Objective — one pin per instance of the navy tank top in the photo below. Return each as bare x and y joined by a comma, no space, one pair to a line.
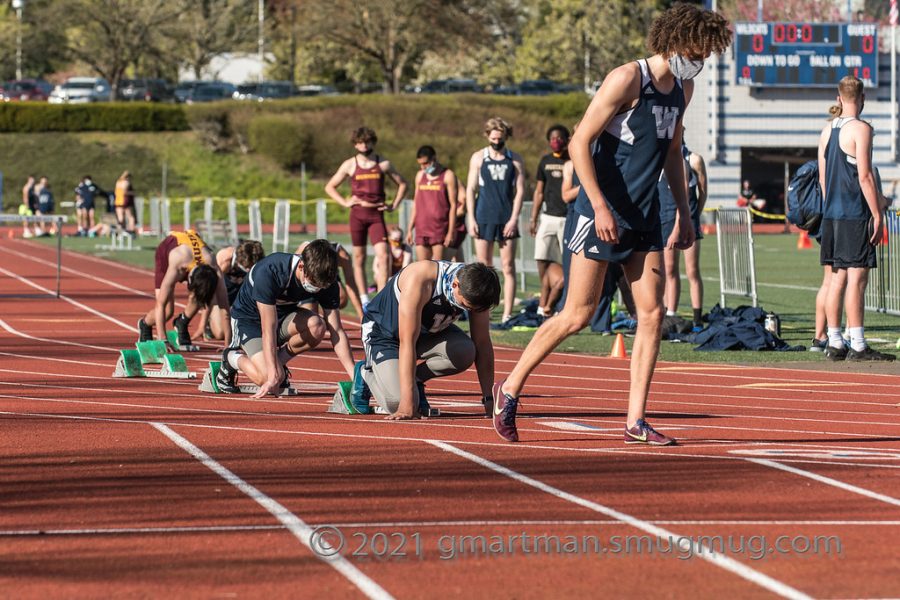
844,199
496,183
630,154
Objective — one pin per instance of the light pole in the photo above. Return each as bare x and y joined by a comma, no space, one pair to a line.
18,6
261,42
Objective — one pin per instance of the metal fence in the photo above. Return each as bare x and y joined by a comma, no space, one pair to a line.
883,291
734,238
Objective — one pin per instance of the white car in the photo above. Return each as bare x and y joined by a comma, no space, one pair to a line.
81,90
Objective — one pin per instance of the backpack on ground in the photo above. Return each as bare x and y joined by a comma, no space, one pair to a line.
804,198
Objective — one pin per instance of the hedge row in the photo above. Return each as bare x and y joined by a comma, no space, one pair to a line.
30,117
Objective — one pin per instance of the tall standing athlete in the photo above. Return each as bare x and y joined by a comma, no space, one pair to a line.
433,215
851,221
629,134
366,171
494,192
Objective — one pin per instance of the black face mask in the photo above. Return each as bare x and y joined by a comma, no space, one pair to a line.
498,146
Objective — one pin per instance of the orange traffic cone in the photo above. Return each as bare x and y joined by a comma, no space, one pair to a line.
803,242
884,236
618,349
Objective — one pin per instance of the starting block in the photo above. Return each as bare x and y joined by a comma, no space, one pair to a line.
208,383
129,364
151,352
172,336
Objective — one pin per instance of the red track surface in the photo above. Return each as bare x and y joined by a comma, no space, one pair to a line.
149,488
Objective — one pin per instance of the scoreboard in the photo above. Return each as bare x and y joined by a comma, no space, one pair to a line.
805,54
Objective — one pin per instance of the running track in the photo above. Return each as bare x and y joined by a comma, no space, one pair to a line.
149,488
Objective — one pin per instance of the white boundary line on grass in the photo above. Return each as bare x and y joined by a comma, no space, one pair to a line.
292,522
719,560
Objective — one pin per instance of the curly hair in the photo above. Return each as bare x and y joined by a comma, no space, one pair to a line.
248,254
687,28
363,135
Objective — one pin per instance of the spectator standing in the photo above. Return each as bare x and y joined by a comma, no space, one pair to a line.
45,205
124,203
434,210
28,207
85,194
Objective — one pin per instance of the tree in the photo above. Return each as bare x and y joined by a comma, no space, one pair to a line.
823,11
395,34
112,35
207,28
43,39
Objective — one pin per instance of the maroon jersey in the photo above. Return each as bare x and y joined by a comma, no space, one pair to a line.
432,207
368,184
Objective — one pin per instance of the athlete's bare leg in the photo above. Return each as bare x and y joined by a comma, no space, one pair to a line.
508,262
585,284
644,270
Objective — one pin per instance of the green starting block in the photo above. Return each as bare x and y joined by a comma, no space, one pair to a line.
172,336
151,352
208,383
129,364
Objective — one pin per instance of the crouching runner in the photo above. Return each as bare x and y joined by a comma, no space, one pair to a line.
411,320
270,328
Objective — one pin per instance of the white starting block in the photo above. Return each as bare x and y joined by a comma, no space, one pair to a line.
130,364
208,383
119,241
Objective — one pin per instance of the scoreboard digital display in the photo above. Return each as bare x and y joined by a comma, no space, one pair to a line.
805,54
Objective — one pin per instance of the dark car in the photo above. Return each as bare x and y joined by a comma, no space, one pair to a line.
448,86
183,90
147,90
274,90
537,87
245,91
36,90
210,92
506,90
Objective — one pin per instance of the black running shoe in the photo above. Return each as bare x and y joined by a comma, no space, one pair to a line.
226,378
868,354
145,332
832,353
181,326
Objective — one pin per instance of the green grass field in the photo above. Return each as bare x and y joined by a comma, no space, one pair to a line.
787,281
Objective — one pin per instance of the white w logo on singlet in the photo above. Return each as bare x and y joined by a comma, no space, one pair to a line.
498,172
666,117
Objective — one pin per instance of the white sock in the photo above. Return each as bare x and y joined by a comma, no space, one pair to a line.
671,313
364,299
233,359
857,338
284,355
835,340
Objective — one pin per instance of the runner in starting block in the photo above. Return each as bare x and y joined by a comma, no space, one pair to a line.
270,326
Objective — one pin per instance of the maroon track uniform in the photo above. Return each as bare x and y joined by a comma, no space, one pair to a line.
432,211
367,185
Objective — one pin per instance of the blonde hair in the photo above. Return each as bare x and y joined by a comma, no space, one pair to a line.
850,88
124,176
498,124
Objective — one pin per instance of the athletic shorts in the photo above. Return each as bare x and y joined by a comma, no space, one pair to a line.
380,348
86,204
45,208
458,238
367,223
669,226
584,238
548,242
247,334
845,244
162,259
429,240
493,232
126,201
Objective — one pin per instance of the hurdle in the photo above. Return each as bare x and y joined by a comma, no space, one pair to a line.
281,227
734,240
12,220
208,383
131,363
119,241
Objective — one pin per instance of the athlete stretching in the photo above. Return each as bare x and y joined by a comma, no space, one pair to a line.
366,171
629,134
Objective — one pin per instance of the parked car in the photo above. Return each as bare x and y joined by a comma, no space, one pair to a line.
25,89
147,90
184,89
210,92
81,90
245,91
537,87
448,86
506,90
316,90
275,90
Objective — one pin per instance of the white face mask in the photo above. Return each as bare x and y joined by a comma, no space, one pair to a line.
684,68
310,287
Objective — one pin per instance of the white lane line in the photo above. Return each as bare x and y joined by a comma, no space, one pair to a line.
423,524
70,301
741,570
827,481
294,524
397,438
15,331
